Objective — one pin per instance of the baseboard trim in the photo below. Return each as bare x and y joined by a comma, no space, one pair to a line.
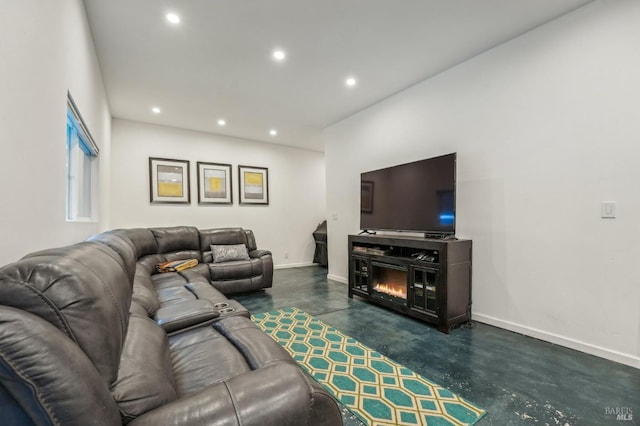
598,351
611,355
293,265
337,278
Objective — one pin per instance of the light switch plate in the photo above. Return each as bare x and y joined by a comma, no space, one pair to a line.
608,210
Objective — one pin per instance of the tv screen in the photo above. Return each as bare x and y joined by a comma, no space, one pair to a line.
418,196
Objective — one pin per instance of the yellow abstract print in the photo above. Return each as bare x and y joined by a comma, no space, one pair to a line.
170,181
215,184
253,185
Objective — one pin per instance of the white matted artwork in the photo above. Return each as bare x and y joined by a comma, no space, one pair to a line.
254,185
214,183
169,181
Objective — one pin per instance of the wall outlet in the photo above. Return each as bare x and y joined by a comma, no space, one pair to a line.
286,255
334,216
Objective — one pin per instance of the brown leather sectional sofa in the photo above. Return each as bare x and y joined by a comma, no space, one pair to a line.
91,334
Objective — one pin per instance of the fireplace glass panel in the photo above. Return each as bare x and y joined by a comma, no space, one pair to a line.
360,274
389,282
425,290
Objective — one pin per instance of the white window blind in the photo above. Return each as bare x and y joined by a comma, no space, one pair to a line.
82,154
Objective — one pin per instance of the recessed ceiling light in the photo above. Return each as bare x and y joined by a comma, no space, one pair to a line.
273,132
279,55
173,18
350,81
155,110
221,122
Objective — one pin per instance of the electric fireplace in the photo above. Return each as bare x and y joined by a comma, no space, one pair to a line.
425,278
389,282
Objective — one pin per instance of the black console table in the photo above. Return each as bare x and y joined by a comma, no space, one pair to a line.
428,279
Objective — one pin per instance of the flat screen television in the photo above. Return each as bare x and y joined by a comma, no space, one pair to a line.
417,197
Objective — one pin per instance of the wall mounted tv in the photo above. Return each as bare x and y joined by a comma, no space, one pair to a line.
418,197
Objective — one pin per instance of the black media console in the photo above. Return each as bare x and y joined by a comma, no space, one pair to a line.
428,279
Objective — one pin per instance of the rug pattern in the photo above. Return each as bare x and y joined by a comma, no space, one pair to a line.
376,389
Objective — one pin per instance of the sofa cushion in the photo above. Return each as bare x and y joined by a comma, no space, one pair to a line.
229,252
201,270
142,239
205,291
147,299
175,294
177,238
202,357
258,348
168,279
145,378
47,376
237,269
121,245
184,315
144,292
243,285
137,309
82,289
150,261
170,288
220,236
251,239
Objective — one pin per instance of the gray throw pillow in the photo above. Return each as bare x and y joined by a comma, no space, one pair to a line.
227,252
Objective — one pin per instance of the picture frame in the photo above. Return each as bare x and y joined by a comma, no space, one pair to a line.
169,181
214,183
253,185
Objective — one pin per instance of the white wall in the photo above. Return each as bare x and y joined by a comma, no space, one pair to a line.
46,50
296,187
546,127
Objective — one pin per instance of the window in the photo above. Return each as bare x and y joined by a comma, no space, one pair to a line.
82,168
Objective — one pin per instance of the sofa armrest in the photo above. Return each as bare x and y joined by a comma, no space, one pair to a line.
259,253
278,394
180,316
267,265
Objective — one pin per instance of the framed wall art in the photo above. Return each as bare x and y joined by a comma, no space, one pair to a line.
169,181
254,185
214,183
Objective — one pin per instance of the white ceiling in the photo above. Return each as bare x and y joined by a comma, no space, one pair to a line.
216,63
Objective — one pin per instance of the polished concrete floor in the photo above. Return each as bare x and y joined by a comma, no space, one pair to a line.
517,379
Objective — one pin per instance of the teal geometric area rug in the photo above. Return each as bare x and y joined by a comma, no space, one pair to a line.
376,389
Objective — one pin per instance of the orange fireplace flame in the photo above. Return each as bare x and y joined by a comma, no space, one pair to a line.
392,289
